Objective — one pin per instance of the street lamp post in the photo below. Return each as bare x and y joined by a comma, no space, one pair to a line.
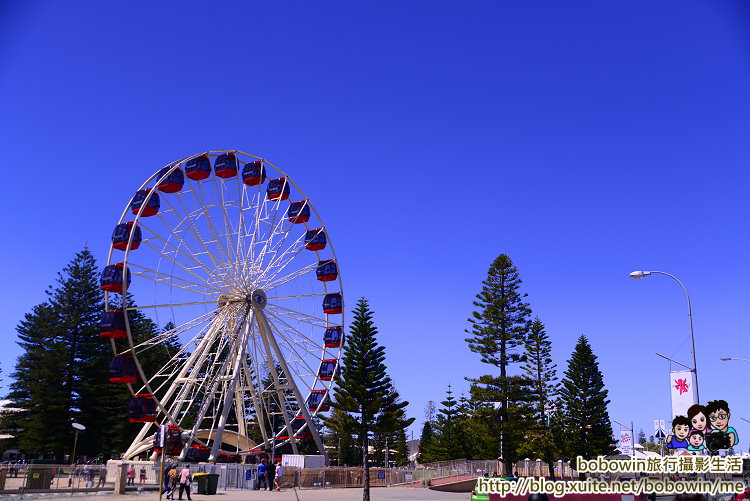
726,359
694,370
78,427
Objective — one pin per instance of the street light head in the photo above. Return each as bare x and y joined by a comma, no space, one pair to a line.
639,274
725,358
78,426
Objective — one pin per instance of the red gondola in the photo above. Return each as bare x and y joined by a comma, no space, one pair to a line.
198,168
173,182
226,165
173,440
332,303
327,270
315,399
315,240
328,369
299,212
112,276
254,173
278,189
197,453
334,337
121,235
152,206
142,409
122,370
112,325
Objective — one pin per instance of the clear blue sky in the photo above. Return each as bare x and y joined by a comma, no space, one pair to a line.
584,139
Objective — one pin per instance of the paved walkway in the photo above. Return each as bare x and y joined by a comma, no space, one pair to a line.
353,494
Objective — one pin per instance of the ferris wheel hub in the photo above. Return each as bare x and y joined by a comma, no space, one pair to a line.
258,299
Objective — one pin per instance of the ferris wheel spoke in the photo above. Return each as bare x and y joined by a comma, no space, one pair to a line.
228,228
278,268
209,220
274,224
317,346
300,316
292,276
190,255
171,280
292,348
174,333
178,263
191,227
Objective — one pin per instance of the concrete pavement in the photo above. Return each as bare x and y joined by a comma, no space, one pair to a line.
351,494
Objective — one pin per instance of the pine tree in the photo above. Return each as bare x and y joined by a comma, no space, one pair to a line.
583,400
426,443
60,335
450,441
499,329
365,399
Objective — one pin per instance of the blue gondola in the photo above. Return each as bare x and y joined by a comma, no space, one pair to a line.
315,399
334,337
299,212
142,409
315,240
112,325
111,279
198,168
121,235
327,270
333,303
152,206
254,173
278,189
328,369
173,182
122,369
226,165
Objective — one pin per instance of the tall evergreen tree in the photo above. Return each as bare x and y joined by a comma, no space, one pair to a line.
583,399
499,328
365,398
451,440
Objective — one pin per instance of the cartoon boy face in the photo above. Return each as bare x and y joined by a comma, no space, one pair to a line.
681,431
699,421
719,419
696,439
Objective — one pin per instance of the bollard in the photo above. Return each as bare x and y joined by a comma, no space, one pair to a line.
121,478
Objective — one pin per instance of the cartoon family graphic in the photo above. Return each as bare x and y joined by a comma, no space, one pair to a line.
705,430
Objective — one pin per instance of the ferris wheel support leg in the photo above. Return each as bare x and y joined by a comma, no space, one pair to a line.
229,396
256,401
266,330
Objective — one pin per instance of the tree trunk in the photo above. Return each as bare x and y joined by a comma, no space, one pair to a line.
365,468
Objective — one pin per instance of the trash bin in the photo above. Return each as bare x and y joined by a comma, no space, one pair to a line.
202,480
213,483
38,477
3,474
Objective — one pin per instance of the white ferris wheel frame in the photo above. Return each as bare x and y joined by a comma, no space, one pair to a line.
183,378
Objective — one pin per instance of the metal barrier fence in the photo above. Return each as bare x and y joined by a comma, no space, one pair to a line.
30,478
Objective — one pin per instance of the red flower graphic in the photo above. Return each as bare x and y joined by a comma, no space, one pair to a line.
681,385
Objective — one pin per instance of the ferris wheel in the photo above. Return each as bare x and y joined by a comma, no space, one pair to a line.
227,255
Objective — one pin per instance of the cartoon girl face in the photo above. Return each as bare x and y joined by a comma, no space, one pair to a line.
699,422
696,439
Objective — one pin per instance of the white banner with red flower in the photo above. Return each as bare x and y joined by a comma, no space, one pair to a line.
682,387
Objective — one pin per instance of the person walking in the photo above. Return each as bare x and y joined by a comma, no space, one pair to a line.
102,475
131,475
270,474
185,479
173,478
277,477
143,475
261,475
